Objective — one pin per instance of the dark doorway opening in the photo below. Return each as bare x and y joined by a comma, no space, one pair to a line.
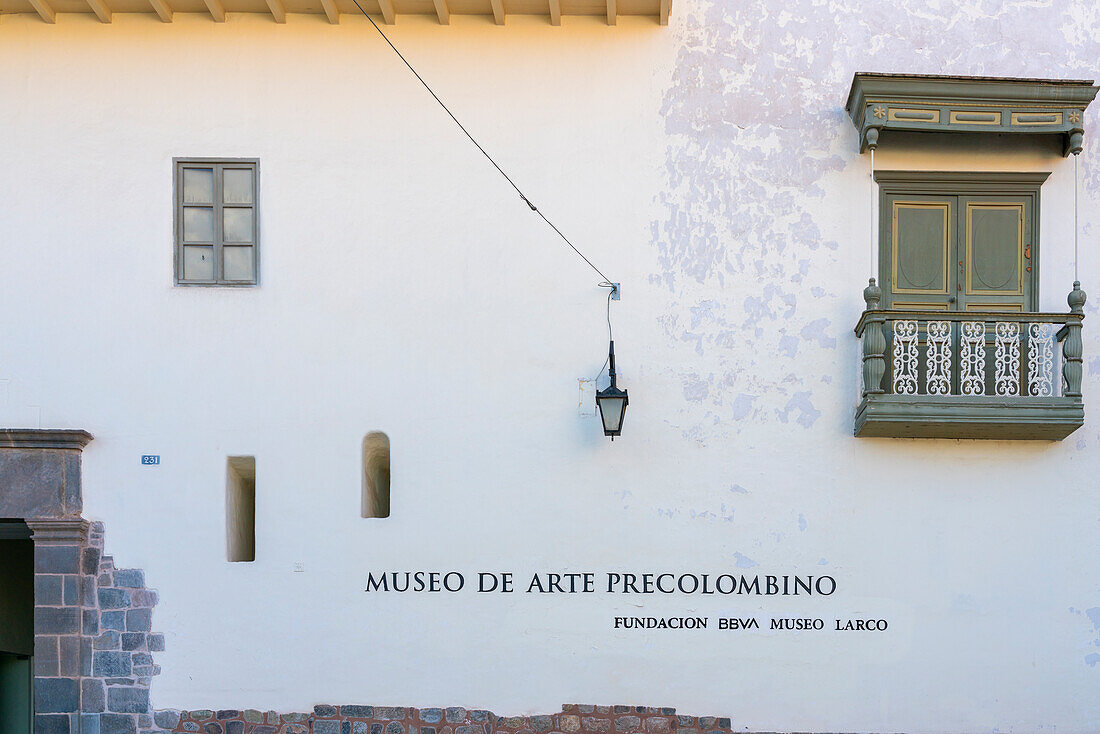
16,626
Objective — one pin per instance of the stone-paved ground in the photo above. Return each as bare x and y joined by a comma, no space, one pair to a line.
327,719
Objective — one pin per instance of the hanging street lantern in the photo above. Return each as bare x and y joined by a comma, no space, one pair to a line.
612,401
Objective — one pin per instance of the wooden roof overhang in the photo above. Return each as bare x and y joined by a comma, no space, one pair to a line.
386,10
970,104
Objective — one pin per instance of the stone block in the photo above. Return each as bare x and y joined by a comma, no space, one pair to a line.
47,589
431,716
144,658
213,727
603,709
108,663
126,700
88,595
252,716
133,640
375,729
108,640
224,714
455,715
143,598
117,724
56,695
145,721
570,723
236,726
190,726
723,722
658,724
68,655
668,711
71,586
360,727
427,730
621,709
130,578
592,723
56,620
295,717
542,723
89,724
389,713
89,561
395,727
627,723
167,718
56,559
113,621
89,622
326,726
357,712
685,720
45,655
139,620
263,729
479,715
707,722
51,724
470,729
93,695
324,709
345,727
114,599
119,681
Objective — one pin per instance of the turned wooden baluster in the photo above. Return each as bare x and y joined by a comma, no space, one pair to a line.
874,342
1072,347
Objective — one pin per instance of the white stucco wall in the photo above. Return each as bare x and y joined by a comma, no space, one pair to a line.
710,168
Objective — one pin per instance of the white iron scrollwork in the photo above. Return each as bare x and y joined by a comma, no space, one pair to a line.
1007,358
1040,360
938,377
905,358
972,358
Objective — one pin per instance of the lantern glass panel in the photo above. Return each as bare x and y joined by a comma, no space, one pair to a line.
611,411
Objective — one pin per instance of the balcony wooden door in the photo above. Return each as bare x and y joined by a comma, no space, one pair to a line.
958,253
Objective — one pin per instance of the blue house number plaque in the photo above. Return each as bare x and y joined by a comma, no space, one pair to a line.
150,459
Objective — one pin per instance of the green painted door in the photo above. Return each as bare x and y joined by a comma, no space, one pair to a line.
15,694
957,253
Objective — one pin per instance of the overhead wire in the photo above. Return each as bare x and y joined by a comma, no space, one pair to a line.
606,283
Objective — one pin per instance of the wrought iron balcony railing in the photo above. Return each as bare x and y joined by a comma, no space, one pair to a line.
970,374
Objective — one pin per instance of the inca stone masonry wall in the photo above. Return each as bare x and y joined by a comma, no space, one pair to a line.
327,719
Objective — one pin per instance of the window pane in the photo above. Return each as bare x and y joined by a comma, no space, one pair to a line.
198,263
237,225
198,186
237,186
198,224
237,262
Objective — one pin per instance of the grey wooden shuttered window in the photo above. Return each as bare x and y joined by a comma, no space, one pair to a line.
960,242
217,228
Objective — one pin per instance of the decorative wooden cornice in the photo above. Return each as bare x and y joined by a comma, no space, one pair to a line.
931,103
38,438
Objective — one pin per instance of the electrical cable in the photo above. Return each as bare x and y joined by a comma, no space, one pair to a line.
606,281
1076,179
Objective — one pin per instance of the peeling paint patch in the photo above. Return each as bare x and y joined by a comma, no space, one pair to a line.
800,402
742,561
801,522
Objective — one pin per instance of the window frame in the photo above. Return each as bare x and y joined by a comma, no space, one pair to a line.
179,164
959,184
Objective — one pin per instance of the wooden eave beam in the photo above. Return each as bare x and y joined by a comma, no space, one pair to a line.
217,10
331,11
555,12
162,9
99,7
612,12
278,12
443,12
386,6
498,11
44,10
666,8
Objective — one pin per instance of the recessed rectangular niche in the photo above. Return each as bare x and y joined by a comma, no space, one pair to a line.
240,508
376,475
